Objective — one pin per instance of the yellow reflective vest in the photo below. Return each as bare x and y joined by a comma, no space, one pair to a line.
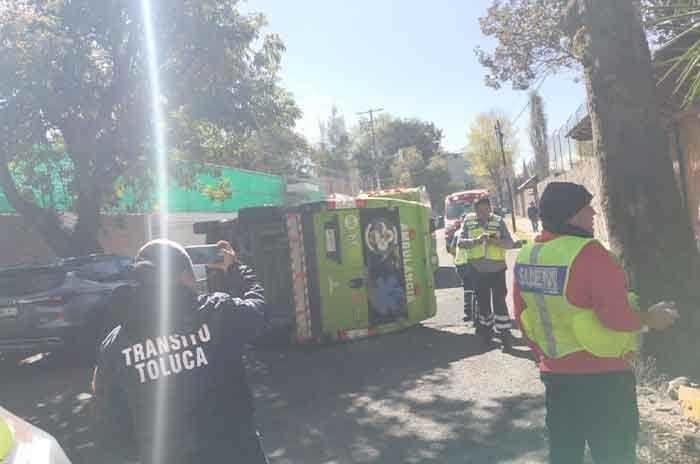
474,229
6,440
559,328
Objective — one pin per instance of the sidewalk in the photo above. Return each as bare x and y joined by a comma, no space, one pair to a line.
524,228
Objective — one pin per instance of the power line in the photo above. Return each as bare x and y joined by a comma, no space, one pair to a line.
537,87
375,156
499,137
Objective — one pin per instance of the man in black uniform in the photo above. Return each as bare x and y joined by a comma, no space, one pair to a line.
170,384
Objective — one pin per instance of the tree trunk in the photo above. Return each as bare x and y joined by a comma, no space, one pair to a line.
499,189
85,237
648,224
83,240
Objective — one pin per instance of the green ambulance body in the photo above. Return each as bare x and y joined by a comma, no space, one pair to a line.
337,270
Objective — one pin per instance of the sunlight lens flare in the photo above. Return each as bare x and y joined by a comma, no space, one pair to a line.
161,167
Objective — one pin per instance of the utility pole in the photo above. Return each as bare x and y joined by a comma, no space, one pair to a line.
499,136
375,157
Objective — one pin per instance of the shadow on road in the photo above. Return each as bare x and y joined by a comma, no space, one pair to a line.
447,277
387,400
392,399
52,393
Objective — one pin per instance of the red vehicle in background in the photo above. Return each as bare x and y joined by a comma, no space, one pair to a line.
457,205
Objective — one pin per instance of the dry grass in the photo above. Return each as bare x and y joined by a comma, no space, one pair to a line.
662,425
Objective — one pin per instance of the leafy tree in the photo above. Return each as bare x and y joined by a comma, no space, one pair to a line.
411,170
392,135
437,181
484,154
678,34
334,147
363,158
408,168
667,19
538,135
532,42
397,133
649,226
276,150
73,75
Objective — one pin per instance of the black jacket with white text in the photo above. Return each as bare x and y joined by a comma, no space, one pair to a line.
170,386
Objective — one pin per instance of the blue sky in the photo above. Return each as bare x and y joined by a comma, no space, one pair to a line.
412,58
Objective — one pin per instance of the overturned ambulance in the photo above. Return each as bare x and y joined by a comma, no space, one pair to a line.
336,270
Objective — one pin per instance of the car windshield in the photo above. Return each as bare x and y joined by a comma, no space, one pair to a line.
104,269
456,210
21,282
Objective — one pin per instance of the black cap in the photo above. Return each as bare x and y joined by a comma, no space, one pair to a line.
560,202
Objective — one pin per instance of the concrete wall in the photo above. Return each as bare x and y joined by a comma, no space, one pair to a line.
120,234
587,173
19,244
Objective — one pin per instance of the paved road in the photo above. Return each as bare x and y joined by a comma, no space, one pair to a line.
427,395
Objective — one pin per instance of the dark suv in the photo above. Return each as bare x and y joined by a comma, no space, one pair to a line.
59,305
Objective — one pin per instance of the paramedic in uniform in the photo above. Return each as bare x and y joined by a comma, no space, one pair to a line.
481,247
465,271
572,304
170,385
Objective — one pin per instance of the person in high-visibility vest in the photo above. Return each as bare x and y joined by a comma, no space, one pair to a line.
482,244
571,302
24,443
465,271
7,439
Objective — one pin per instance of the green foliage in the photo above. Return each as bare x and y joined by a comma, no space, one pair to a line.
483,151
678,23
667,19
411,170
408,168
333,152
437,182
74,78
530,42
538,135
393,135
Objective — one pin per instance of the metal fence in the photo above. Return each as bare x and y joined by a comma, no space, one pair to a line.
563,151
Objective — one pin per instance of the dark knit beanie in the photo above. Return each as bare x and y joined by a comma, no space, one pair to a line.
158,253
560,202
482,201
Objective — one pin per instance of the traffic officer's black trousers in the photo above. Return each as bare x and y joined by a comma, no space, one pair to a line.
491,296
595,409
465,272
